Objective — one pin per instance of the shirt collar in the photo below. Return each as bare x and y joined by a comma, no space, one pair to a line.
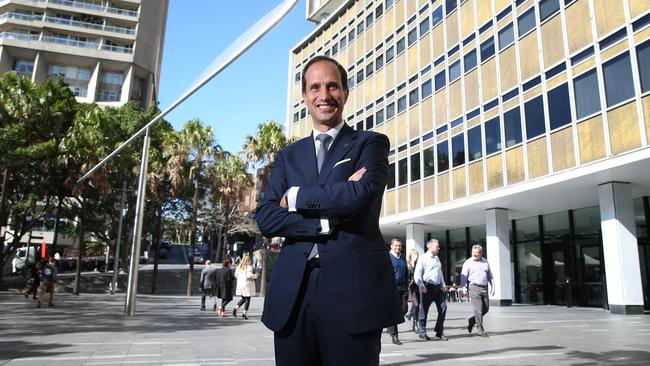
332,131
395,254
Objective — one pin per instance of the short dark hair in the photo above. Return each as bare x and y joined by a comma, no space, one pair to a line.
344,74
226,262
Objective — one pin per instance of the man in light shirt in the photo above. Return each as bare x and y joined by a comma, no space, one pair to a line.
428,276
476,275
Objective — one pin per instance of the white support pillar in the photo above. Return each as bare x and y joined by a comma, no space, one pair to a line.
498,254
415,238
620,249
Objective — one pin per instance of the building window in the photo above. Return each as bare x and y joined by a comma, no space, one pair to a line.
401,45
474,143
470,60
369,69
391,176
415,167
526,22
108,96
390,54
440,80
359,126
414,96
454,71
370,122
412,36
359,76
379,62
492,136
402,173
559,108
58,70
506,36
450,5
390,111
436,16
424,26
587,96
379,117
24,68
83,74
401,104
487,49
534,114
342,43
335,49
443,156
512,127
426,89
379,11
369,20
548,8
429,167
618,79
458,149
296,117
359,28
296,77
643,59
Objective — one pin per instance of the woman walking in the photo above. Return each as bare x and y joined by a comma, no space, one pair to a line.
224,279
245,285
414,291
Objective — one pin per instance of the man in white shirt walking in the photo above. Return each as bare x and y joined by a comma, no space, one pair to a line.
428,276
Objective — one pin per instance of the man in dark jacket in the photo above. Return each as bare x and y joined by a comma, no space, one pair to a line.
224,279
400,269
207,284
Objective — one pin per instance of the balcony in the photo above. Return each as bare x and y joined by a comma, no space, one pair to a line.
65,42
319,10
70,42
96,7
68,22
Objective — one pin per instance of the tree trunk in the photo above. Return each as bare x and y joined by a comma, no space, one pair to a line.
3,195
55,239
219,244
157,238
195,208
77,280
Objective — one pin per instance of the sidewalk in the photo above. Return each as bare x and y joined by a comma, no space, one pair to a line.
91,330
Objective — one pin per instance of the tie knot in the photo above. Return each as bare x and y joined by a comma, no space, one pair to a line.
323,138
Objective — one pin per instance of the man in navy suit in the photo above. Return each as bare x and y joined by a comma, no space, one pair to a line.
332,289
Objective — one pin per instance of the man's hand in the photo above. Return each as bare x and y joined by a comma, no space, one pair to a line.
357,175
283,202
492,291
424,289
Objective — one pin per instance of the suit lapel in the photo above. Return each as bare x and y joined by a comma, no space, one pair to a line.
341,145
307,158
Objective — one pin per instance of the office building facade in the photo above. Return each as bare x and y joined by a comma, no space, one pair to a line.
520,125
107,51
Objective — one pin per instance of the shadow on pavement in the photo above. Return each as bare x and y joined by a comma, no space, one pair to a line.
431,358
610,358
20,349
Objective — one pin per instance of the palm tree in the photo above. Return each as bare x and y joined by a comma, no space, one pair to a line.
190,149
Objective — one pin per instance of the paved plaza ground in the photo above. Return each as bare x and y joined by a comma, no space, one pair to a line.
170,330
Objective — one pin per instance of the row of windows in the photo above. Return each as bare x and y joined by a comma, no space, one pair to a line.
619,87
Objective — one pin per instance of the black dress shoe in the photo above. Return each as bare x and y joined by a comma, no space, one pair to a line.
396,340
425,337
470,327
408,316
202,308
442,337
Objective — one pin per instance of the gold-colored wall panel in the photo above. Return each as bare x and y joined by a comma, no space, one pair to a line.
578,25
460,189
471,89
508,66
415,196
475,172
489,79
410,8
438,41
624,133
400,65
429,187
562,149
484,11
425,50
413,59
494,167
390,76
427,115
360,48
379,28
443,187
614,50
591,139
552,41
467,18
402,199
452,29
515,165
646,116
389,207
390,132
455,98
529,56
537,158
389,18
401,129
557,80
358,94
370,88
609,15
441,107
399,13
414,122
380,86
642,36
638,7
500,4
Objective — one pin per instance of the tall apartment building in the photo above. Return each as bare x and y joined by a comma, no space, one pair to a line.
107,51
519,125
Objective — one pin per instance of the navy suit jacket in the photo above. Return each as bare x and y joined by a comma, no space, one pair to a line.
356,270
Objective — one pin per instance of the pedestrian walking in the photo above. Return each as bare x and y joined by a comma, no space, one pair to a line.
34,281
223,284
48,282
207,284
428,276
414,291
245,285
475,277
400,270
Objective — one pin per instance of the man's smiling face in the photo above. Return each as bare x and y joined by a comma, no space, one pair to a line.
324,95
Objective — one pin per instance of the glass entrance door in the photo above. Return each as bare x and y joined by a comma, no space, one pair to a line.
589,284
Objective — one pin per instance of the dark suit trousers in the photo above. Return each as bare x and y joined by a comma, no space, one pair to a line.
480,304
437,295
404,296
312,337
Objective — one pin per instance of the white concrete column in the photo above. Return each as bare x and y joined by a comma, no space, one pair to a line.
415,238
93,83
6,61
40,69
620,248
497,239
125,95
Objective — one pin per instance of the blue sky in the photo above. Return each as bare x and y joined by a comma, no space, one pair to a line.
250,91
